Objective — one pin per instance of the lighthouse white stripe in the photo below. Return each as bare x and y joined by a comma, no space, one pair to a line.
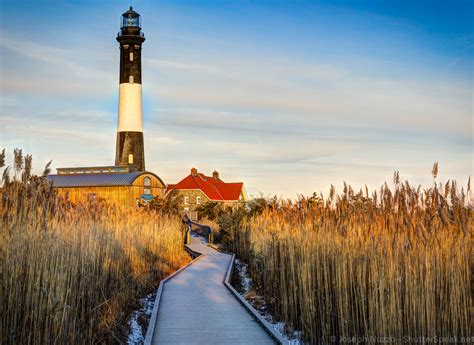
130,108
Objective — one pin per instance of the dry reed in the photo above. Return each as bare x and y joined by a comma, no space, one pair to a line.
394,264
69,273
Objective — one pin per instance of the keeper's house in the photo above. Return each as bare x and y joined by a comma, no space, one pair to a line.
123,185
197,189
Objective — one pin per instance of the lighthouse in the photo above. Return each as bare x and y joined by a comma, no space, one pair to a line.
125,183
129,147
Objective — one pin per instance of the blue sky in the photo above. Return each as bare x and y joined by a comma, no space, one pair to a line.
287,96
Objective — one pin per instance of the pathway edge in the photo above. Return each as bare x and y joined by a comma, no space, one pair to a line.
264,323
152,324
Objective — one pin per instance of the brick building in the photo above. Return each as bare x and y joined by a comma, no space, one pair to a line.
197,189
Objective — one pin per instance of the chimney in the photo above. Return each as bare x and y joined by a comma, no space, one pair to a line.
215,175
194,171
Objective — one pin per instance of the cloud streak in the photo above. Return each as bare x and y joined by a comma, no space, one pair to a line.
287,110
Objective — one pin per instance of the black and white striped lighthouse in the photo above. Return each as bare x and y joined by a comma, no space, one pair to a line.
130,148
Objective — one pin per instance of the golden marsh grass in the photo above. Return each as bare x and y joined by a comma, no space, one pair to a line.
69,273
397,263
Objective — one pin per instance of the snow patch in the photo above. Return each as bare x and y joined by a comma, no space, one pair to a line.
139,319
245,290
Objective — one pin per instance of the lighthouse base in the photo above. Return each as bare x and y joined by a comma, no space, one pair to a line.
130,149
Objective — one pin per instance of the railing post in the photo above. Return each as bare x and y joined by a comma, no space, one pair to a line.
186,235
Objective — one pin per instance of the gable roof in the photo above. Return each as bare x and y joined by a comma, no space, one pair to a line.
214,188
90,180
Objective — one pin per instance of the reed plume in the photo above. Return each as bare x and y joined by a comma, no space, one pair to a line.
71,273
395,264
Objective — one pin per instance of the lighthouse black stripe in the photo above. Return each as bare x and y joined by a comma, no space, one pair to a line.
130,67
130,39
130,143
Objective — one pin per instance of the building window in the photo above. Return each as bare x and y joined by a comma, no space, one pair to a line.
130,158
186,209
130,79
147,191
186,200
198,200
147,181
131,56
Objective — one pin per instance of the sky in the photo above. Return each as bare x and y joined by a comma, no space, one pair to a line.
286,96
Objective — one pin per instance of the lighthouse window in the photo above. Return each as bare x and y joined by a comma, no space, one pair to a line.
131,56
147,181
130,79
130,158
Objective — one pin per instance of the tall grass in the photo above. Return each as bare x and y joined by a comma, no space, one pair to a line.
69,272
397,263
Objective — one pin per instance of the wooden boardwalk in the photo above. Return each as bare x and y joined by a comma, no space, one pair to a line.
196,307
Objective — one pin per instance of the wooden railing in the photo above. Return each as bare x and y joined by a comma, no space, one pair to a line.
203,230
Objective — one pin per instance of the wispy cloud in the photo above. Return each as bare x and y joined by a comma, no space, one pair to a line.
288,108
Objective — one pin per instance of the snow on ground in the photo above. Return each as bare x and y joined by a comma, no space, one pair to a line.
245,289
138,322
139,319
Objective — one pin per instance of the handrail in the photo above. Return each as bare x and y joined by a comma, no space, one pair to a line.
204,230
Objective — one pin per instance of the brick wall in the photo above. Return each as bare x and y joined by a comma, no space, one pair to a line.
192,204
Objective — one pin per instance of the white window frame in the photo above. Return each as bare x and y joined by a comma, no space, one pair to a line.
186,209
131,56
130,79
186,200
147,191
147,181
198,200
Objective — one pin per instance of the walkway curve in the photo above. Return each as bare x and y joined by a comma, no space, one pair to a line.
195,307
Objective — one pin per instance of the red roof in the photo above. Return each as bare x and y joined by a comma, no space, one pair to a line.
213,187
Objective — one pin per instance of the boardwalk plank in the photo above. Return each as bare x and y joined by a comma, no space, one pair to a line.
196,307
